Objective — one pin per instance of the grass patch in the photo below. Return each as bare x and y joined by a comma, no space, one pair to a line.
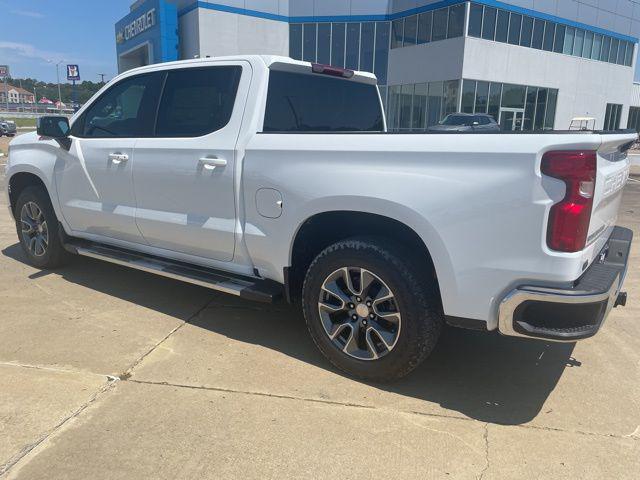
23,122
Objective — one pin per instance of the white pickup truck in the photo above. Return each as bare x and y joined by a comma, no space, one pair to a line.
266,177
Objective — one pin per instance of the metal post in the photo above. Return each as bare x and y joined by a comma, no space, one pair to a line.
59,94
6,92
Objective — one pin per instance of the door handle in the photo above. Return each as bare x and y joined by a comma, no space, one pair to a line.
210,163
118,158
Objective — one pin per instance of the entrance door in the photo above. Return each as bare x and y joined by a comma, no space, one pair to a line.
511,119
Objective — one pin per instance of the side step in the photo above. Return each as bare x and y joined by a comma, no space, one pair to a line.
265,291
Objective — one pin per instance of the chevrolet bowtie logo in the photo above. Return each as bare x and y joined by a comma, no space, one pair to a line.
120,37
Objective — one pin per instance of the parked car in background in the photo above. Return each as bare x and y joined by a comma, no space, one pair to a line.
263,176
466,122
7,127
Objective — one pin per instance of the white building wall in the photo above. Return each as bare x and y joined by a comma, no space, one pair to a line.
222,33
428,62
189,34
584,86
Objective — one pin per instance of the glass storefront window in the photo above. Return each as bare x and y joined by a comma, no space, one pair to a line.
606,47
451,96
588,44
424,27
513,96
420,96
613,55
558,44
434,114
337,44
515,25
569,39
440,20
352,56
397,33
527,32
456,21
549,32
502,27
597,47
324,43
495,96
367,43
489,23
406,106
410,30
475,20
295,41
538,34
578,44
468,95
550,115
382,51
309,42
628,58
540,109
482,97
530,107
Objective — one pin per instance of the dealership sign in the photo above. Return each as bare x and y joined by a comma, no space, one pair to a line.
4,71
73,73
136,27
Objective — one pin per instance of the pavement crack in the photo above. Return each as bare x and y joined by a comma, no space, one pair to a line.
486,452
4,468
260,394
129,371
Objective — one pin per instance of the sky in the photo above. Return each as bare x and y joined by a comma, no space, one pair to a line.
36,34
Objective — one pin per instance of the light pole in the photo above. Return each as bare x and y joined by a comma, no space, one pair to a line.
58,77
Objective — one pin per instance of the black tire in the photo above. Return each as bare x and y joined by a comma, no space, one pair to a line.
416,298
54,254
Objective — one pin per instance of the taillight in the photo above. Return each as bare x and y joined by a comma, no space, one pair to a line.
333,71
569,219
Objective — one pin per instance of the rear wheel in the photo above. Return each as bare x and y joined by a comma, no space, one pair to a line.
369,310
37,228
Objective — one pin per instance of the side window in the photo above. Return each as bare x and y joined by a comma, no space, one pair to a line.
197,101
126,110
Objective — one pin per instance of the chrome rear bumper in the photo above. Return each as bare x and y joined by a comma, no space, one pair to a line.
574,313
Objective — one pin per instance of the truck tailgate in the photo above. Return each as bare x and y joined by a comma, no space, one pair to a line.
612,174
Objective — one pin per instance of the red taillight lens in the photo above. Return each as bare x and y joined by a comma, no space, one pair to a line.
569,219
333,71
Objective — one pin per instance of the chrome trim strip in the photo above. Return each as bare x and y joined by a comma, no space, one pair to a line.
520,295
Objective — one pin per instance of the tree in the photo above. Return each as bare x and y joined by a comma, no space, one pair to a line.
85,89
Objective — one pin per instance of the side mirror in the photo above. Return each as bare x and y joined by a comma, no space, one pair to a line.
53,127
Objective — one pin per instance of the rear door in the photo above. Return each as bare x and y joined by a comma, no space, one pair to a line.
94,181
184,176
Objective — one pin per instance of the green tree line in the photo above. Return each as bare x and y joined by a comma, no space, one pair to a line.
84,90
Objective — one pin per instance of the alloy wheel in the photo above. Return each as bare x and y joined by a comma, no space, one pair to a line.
35,232
359,313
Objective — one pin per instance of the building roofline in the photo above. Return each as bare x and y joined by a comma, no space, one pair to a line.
393,16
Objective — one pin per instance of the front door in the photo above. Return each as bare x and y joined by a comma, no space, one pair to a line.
184,177
94,179
511,119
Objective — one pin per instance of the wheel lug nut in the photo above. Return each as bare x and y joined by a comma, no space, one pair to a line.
352,306
372,316
369,303
354,317
359,299
364,322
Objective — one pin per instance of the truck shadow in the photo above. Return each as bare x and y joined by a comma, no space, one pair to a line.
482,375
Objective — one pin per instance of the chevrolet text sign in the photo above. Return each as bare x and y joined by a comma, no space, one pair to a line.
141,24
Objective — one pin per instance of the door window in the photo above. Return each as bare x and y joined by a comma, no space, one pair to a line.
126,110
197,101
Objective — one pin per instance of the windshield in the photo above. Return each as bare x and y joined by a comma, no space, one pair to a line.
457,120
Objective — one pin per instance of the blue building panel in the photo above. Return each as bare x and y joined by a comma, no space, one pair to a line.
154,22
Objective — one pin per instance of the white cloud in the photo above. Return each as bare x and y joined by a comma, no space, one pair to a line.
28,13
28,51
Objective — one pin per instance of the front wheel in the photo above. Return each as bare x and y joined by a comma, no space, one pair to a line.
369,310
37,227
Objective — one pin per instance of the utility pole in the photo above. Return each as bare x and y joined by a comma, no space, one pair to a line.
58,75
102,75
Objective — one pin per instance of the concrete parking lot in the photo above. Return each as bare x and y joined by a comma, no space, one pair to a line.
112,373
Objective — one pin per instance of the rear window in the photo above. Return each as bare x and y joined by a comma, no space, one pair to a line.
299,102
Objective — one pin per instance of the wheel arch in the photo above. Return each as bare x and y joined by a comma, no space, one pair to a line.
318,231
20,180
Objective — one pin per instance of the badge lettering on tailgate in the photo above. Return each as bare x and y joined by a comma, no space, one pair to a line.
615,182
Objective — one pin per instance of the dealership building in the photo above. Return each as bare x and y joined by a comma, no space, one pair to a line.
532,64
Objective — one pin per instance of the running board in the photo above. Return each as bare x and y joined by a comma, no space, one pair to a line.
265,291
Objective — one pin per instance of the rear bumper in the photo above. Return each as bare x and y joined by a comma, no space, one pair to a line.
574,313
